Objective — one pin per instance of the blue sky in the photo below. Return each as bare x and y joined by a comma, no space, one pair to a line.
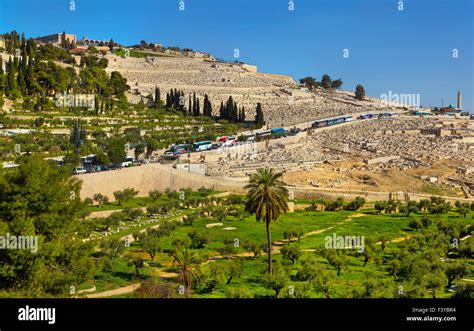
403,52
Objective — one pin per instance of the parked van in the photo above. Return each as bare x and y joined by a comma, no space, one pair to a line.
79,171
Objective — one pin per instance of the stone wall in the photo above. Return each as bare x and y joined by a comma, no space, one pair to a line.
150,177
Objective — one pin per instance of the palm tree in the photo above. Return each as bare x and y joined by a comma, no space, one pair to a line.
188,264
267,198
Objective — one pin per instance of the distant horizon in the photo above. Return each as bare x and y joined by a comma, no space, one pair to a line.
414,48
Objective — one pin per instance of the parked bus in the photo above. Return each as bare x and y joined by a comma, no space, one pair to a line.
182,149
365,116
203,146
331,121
278,132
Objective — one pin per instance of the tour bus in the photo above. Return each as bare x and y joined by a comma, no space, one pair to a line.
365,116
279,132
264,134
203,145
127,163
182,149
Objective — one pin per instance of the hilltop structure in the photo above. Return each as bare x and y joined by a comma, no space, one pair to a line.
57,38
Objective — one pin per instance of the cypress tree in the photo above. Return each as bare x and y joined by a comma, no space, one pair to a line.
259,115
21,78
198,109
176,99
207,111
229,109
235,112
96,104
11,78
21,82
2,77
157,96
23,45
190,105
221,111
181,102
167,101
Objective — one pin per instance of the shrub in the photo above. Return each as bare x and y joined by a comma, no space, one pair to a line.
199,239
238,293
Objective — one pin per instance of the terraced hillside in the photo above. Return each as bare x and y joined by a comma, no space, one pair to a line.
283,101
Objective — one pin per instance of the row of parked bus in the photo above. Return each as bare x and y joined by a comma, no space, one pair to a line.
380,115
201,146
331,121
343,119
226,141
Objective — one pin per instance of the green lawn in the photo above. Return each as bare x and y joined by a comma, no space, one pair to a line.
361,223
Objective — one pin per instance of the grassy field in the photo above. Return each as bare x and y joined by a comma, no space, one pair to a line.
316,226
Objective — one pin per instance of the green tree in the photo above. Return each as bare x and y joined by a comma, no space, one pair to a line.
112,248
355,204
139,149
309,82
464,209
336,84
259,119
255,247
100,199
115,150
291,252
380,206
455,270
326,81
337,259
137,262
40,199
151,245
360,92
409,207
229,248
267,198
199,239
154,195
276,280
188,264
125,195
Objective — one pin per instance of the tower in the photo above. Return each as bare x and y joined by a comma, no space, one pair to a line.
459,105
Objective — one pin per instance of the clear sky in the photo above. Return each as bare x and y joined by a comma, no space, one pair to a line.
409,51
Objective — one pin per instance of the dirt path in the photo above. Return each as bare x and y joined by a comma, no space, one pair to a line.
129,288
115,292
396,240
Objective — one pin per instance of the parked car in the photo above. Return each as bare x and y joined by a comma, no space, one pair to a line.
79,171
231,141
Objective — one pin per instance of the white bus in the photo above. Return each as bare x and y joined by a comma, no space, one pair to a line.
203,145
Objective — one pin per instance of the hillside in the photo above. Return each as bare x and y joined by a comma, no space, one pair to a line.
283,101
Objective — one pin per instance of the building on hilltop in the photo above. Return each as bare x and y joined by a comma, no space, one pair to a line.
57,38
